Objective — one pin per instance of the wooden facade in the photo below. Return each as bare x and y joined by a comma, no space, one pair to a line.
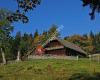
57,47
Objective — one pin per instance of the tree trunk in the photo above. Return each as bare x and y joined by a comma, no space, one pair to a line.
18,56
3,57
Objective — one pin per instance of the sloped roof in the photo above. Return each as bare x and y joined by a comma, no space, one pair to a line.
71,46
68,45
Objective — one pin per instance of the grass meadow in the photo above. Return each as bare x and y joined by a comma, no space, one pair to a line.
51,69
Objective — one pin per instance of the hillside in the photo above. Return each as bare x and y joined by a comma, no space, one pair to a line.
51,69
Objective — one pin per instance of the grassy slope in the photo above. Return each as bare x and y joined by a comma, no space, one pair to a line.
48,70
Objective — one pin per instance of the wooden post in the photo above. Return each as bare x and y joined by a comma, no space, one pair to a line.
3,57
18,56
77,58
90,57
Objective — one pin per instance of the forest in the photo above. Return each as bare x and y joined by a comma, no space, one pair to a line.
12,46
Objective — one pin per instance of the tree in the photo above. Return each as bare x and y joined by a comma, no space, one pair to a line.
36,37
94,6
24,6
78,40
25,44
3,17
44,37
17,42
97,42
22,44
10,53
5,30
91,43
36,34
53,31
7,17
86,42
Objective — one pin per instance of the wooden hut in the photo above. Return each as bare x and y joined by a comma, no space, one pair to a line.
61,47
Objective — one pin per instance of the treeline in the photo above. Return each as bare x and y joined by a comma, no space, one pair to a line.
88,42
19,46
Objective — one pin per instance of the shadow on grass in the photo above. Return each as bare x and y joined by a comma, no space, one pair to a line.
85,76
1,76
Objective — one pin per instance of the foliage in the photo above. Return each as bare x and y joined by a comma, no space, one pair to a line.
26,43
88,42
97,42
22,43
5,30
53,31
36,37
94,5
24,6
3,17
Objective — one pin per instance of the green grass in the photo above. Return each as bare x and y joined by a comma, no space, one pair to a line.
51,69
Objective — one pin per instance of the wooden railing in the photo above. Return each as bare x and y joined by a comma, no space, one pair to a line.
53,57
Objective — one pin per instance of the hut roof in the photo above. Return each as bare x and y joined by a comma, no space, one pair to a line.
72,46
68,45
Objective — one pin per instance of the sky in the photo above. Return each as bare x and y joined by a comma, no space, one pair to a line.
69,13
